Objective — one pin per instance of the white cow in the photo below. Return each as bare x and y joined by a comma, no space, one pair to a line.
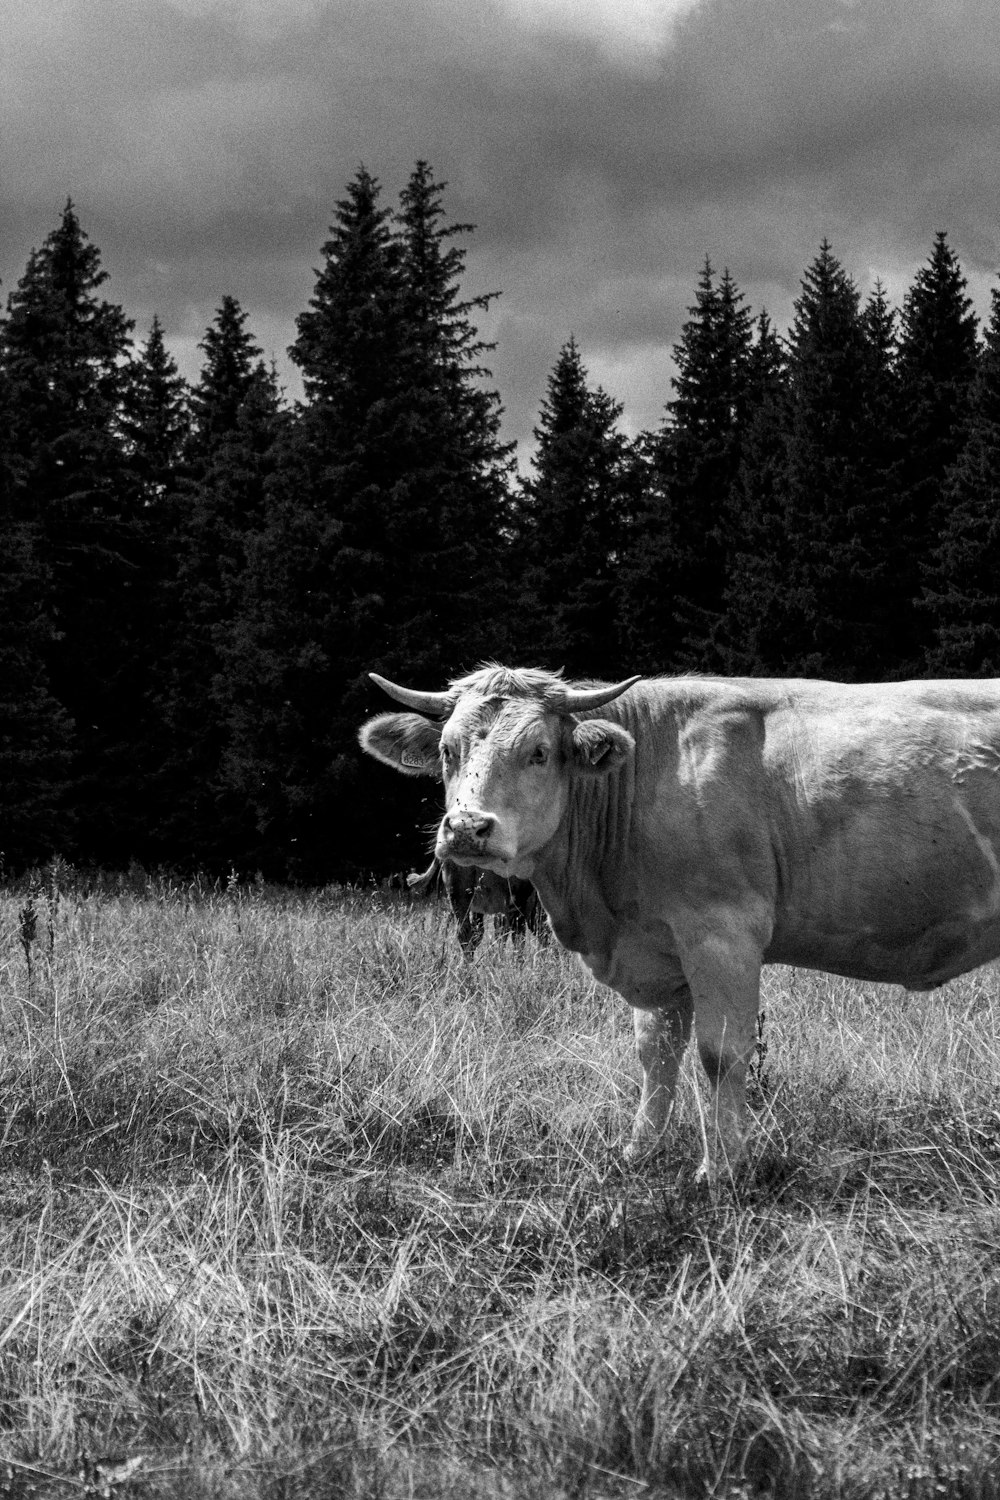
682,832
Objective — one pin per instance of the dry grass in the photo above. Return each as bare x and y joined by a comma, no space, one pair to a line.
294,1203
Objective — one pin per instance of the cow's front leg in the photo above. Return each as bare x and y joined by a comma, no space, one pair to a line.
725,982
661,1037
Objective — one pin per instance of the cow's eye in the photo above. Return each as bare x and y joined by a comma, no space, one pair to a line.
445,755
539,756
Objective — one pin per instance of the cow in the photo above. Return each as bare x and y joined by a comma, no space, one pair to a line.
682,832
474,893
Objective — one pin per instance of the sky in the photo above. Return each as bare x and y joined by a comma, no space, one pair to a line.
602,148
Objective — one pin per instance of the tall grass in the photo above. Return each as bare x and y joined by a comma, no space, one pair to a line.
295,1202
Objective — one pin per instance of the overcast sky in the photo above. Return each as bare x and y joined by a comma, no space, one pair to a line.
603,149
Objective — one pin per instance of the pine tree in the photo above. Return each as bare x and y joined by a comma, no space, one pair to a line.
66,353
571,532
963,596
678,571
836,524
937,365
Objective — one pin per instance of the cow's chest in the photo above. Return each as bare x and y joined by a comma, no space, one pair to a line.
623,947
640,963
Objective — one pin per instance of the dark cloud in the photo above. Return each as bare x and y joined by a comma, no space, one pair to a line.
206,142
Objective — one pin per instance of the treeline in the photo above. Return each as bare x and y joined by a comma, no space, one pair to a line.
196,579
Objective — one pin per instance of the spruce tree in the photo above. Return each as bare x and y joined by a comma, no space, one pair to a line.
66,353
452,489
678,570
156,430
157,423
753,634
963,595
890,609
835,517
381,548
36,737
937,365
880,325
35,733
231,365
311,594
238,427
573,515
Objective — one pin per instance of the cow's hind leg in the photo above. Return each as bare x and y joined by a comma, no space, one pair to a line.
661,1037
470,933
510,924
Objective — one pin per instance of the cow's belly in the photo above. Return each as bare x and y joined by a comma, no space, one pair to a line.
901,889
920,958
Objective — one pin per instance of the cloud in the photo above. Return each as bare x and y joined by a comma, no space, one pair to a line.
625,28
603,148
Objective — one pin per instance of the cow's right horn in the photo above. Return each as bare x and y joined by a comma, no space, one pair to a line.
422,703
579,699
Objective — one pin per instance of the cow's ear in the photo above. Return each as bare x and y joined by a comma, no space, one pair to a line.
407,742
598,746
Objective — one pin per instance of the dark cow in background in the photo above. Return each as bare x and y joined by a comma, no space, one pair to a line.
681,832
474,894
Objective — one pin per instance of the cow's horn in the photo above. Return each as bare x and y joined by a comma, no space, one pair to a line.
423,703
579,699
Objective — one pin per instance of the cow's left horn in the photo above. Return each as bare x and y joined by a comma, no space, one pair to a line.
423,703
579,699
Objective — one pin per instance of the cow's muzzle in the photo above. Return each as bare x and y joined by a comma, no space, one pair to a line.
465,833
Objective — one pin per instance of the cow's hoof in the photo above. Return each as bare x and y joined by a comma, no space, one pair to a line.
639,1152
706,1178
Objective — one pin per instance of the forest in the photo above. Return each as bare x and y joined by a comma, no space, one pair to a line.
197,578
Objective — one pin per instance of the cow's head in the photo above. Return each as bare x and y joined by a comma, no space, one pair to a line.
506,744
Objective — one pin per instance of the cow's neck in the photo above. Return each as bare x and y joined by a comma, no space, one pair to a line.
581,875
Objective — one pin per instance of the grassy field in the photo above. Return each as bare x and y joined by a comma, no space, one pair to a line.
296,1204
